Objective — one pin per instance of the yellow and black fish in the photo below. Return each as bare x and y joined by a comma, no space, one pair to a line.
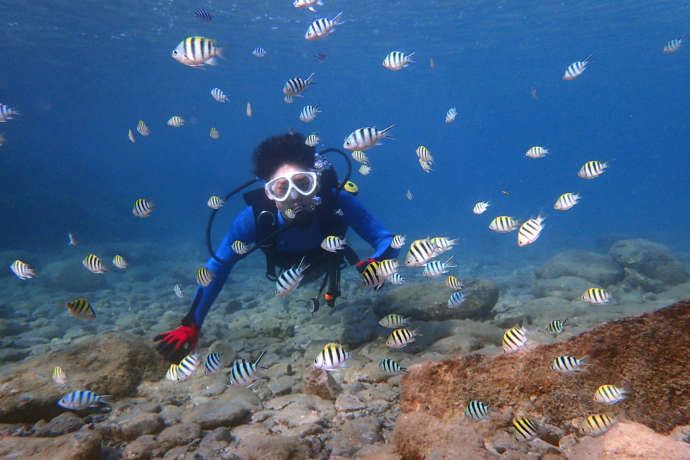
524,429
93,264
80,308
142,207
204,276
597,424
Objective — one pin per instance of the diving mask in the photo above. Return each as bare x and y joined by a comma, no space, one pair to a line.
281,187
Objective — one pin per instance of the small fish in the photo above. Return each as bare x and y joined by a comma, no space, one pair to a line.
80,308
70,239
456,299
82,399
289,279
214,361
119,262
504,224
187,366
320,57
674,45
176,121
480,207
424,154
529,231
364,138
295,86
402,337
7,113
536,152
93,264
22,270
312,140
360,157
143,129
58,375
524,429
396,279
556,326
409,195
248,111
308,113
130,136
426,166
219,96
204,277
259,52
595,296
533,92
432,63
215,202
514,339
391,367
592,169
371,277
567,364
308,4
387,268
204,15
397,60
178,291
476,410
505,192
398,241
451,114
454,283
421,251
173,373
322,27
289,99
576,69
142,207
214,134
333,243
243,372
197,52
393,321
443,244
566,201
332,357
609,394
437,268
364,170
597,424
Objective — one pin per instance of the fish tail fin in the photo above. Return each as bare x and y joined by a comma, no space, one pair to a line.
409,57
256,363
335,19
310,79
403,370
385,131
220,52
312,9
105,399
588,59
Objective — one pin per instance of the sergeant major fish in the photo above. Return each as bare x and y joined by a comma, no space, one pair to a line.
93,264
529,231
364,138
397,60
308,4
391,367
332,357
295,86
288,280
197,52
322,27
576,69
82,399
243,372
21,270
402,337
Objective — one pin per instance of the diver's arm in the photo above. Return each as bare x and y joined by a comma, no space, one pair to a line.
367,226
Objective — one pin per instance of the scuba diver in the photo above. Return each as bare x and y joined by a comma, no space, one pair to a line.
300,204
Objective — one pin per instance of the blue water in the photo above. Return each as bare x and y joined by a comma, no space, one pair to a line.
83,73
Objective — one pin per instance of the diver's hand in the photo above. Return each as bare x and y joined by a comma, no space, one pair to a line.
178,343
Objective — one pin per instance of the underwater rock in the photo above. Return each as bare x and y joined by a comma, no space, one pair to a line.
224,412
600,269
66,422
111,364
178,435
70,275
354,434
650,259
82,445
320,383
566,287
429,302
646,355
254,442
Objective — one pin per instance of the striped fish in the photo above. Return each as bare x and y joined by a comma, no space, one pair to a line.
674,45
143,129
204,277
567,364
566,201
173,374
391,367
239,247
476,410
219,96
308,4
290,278
529,231
259,52
333,243
396,60
22,270
130,136
426,166
197,52
142,207
295,86
595,296
592,169
332,357
312,140
93,264
7,113
242,372
609,394
514,339
214,361
360,157
453,283
576,69
387,268
421,251
536,152
364,170
402,337
451,115
203,15
504,224
322,27
456,299
371,277
176,121
82,399
443,244
393,321
424,154
119,262
480,207
364,138
289,99
214,133
308,113
398,241
215,202
187,366
437,268
524,429
597,424
178,291
58,375
396,279
556,326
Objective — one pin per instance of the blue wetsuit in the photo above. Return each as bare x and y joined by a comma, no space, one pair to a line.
295,240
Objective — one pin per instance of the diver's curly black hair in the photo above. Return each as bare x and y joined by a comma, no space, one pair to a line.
275,151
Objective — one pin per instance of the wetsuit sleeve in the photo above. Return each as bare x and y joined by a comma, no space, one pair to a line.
243,229
367,226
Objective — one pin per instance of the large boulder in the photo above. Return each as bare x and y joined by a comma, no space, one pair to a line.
82,445
653,260
565,287
600,269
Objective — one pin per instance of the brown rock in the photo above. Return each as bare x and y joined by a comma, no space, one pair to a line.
140,424
82,445
646,354
66,422
142,447
320,383
180,434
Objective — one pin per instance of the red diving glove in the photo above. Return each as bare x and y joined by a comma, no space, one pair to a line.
178,343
